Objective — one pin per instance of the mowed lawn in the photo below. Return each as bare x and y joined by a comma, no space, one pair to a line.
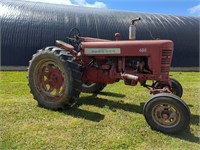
112,119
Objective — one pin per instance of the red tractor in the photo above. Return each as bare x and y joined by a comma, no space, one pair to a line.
57,74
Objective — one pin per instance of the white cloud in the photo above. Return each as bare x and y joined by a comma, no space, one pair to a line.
65,2
96,4
83,3
195,10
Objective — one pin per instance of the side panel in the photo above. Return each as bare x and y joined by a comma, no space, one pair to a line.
125,48
158,52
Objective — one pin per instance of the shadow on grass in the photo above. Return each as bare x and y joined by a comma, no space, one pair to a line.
195,120
88,115
79,113
99,102
187,136
112,94
113,105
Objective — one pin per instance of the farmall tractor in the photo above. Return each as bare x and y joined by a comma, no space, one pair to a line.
58,74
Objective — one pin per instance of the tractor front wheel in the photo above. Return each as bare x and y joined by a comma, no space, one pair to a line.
177,89
167,113
54,79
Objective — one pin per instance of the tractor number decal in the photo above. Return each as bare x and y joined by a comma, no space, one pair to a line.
143,50
102,51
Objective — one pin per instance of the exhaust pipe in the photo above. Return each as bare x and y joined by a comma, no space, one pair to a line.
132,29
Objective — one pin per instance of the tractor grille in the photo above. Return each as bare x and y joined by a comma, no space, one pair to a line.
166,61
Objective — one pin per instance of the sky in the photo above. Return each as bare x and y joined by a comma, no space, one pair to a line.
174,7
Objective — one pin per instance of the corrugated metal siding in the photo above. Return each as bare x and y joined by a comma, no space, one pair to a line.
29,26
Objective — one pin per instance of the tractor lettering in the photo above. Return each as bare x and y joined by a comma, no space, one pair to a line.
102,51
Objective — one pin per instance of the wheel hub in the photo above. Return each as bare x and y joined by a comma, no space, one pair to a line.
50,80
166,115
55,79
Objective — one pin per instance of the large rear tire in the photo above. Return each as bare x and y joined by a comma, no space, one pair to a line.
93,87
54,79
167,113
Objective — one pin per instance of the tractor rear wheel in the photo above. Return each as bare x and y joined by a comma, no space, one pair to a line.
93,87
54,79
167,113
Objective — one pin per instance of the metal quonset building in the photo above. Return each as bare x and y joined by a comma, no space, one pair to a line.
29,26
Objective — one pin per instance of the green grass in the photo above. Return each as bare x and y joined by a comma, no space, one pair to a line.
112,119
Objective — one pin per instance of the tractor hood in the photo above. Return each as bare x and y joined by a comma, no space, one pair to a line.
125,48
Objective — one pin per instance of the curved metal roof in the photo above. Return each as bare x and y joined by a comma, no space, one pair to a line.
29,26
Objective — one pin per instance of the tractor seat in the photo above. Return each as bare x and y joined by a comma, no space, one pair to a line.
64,45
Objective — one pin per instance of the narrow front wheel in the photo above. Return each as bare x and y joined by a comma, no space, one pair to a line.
167,113
176,87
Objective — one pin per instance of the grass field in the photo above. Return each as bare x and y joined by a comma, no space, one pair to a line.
112,119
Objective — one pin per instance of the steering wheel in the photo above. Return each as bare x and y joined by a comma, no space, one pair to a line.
74,33
73,38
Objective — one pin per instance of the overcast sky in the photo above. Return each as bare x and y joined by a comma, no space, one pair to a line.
175,7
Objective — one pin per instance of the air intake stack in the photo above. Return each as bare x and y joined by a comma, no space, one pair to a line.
132,29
